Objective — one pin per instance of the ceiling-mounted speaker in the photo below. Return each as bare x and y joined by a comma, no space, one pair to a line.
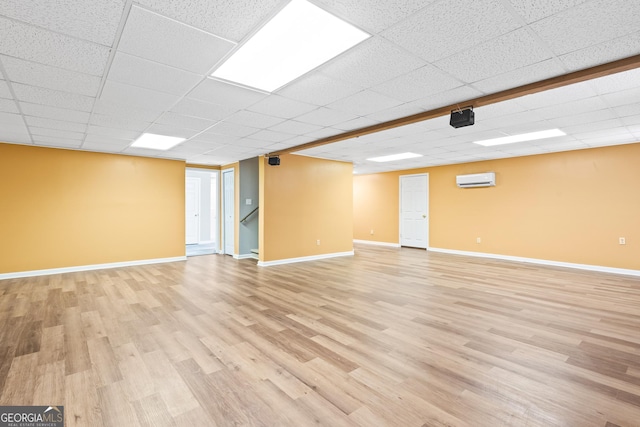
274,161
461,118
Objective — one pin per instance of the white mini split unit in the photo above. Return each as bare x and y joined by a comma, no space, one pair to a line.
487,179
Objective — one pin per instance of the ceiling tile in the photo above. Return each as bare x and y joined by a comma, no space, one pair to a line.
529,74
55,124
280,106
534,10
152,36
617,82
572,108
105,141
231,129
509,52
269,136
4,90
197,147
316,88
119,122
39,132
325,117
14,121
611,50
187,122
39,95
39,45
140,72
105,147
50,141
15,137
254,143
357,123
374,15
627,110
449,97
93,20
365,102
295,127
8,106
573,29
323,133
579,122
560,95
600,127
444,28
112,132
625,97
202,109
604,141
231,20
54,113
169,130
250,118
40,75
110,108
231,96
372,62
137,97
395,112
418,84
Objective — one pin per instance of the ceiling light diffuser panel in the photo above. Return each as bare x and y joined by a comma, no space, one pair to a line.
532,136
298,39
394,157
156,142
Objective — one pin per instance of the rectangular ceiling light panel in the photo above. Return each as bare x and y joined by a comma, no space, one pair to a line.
156,142
298,39
551,133
393,157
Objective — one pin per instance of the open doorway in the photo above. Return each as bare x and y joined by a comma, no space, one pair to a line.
202,228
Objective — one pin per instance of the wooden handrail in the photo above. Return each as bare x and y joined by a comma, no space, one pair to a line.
249,214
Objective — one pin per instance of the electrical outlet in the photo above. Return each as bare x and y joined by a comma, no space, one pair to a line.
372,231
318,242
478,240
622,241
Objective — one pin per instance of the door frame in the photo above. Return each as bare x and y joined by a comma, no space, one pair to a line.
224,212
426,174
198,212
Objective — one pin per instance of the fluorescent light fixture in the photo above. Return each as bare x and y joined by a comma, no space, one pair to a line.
392,157
298,39
521,138
156,142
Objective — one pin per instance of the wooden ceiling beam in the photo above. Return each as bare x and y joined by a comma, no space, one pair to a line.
609,68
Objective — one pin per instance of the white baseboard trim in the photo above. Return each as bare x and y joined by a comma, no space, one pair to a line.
78,268
373,242
243,256
588,267
304,259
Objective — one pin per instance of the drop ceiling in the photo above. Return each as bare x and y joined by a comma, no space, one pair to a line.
94,75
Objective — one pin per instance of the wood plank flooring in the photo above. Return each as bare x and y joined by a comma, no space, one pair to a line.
389,337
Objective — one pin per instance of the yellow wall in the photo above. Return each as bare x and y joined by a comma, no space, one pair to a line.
62,208
304,200
568,207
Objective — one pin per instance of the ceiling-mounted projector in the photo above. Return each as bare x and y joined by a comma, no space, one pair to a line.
461,118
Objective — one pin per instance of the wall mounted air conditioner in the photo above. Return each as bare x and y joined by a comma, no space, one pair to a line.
487,179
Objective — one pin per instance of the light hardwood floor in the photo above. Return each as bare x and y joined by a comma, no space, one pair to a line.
389,337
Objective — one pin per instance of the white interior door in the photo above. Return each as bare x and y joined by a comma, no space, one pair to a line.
228,191
414,210
192,213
